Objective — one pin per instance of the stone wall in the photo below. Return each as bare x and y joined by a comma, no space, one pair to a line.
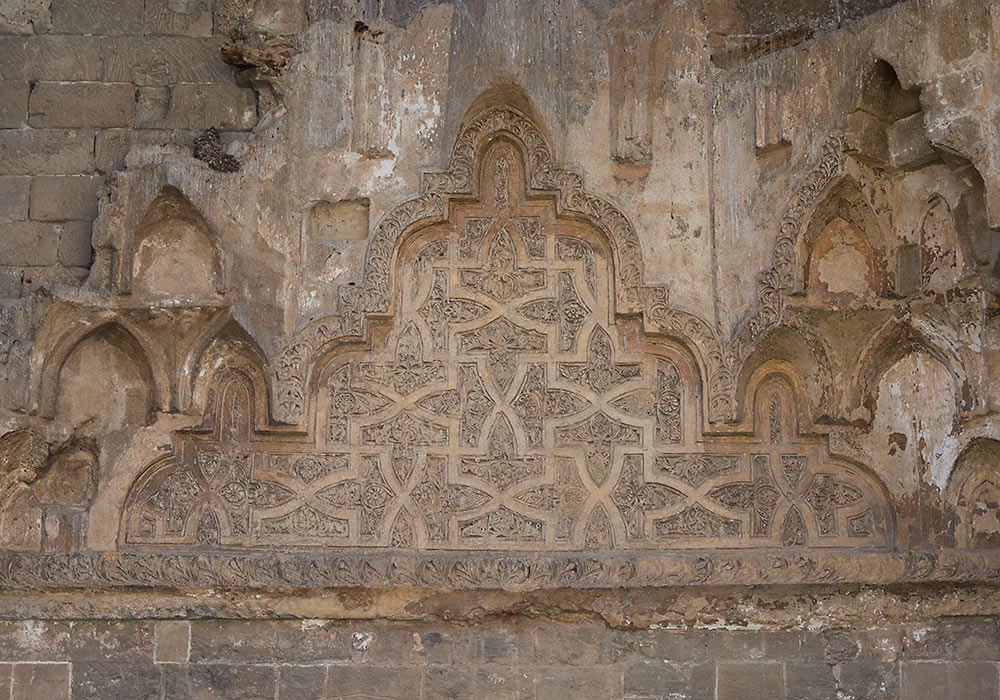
519,349
512,660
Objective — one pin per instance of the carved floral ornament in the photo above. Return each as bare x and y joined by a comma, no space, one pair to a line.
509,406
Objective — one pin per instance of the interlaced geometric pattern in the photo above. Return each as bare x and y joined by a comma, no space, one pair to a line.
503,409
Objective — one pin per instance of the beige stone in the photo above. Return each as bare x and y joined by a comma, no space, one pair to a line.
558,348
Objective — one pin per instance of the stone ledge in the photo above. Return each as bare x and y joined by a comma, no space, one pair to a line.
511,571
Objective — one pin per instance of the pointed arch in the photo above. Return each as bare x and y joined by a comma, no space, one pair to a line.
973,492
801,350
172,240
891,343
223,343
43,391
122,387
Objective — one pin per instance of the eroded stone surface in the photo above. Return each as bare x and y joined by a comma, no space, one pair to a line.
586,311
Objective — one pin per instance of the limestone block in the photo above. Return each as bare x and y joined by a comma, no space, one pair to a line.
81,104
908,269
29,242
152,105
908,144
184,17
64,198
25,17
219,682
40,682
74,243
51,58
14,197
113,679
346,219
201,105
13,103
10,282
173,641
164,60
738,681
46,151
100,18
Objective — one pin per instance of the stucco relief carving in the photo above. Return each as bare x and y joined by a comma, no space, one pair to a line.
504,406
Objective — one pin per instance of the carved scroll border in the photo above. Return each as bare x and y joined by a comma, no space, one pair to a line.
293,365
774,281
40,571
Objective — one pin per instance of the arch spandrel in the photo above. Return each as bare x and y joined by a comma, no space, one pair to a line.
503,404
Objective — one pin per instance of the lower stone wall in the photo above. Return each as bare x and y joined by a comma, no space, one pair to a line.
514,659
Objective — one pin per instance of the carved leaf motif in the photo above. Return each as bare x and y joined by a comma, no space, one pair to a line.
566,497
634,496
598,533
369,493
441,310
502,467
502,278
305,522
438,500
792,467
443,403
408,372
435,251
696,521
476,405
209,463
502,524
535,402
861,525
825,495
570,248
406,430
599,432
502,341
758,497
347,401
530,228
472,238
401,534
696,469
600,372
501,184
669,401
175,497
793,530
567,310
208,533
775,420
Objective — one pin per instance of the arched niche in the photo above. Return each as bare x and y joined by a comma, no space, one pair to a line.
893,342
974,494
105,383
173,252
224,344
803,352
913,438
883,97
942,255
841,249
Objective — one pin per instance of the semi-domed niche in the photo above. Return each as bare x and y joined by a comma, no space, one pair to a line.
502,405
172,252
842,264
105,383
